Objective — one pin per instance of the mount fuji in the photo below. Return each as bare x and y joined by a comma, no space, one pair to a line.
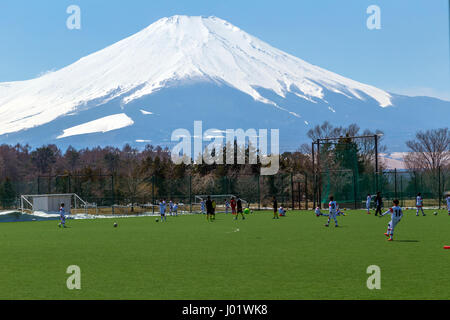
181,69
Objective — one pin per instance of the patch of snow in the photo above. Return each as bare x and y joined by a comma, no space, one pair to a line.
146,112
109,123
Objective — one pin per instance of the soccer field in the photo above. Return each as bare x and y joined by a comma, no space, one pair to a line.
295,257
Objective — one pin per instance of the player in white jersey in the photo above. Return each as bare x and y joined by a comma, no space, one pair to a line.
396,215
319,213
419,204
332,210
162,210
368,201
62,216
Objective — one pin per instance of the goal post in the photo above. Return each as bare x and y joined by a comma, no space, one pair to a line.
52,202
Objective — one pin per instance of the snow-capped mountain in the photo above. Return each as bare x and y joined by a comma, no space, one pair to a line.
181,69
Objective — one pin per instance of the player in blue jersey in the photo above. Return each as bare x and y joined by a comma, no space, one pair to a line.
448,203
171,207
62,216
332,210
203,206
175,209
162,210
368,201
227,206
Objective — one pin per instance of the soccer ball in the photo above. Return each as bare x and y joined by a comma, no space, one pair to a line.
115,225
157,220
435,213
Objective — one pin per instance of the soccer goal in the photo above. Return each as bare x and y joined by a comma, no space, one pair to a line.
51,203
220,201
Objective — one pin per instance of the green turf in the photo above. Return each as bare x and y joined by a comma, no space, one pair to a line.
188,258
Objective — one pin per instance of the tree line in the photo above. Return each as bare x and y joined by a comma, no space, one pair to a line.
134,171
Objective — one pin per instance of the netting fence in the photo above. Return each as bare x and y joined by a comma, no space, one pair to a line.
299,191
404,185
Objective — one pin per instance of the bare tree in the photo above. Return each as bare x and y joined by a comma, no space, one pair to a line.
430,150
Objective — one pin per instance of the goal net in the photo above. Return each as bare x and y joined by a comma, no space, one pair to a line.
50,203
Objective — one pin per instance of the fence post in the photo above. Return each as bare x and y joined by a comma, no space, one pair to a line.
354,189
376,162
395,183
415,182
319,177
153,194
314,175
401,191
439,188
259,192
292,191
113,195
190,194
306,191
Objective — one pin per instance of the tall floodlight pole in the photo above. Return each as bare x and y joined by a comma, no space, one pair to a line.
318,174
314,175
376,162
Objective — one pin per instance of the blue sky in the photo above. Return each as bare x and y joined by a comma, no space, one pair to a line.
409,55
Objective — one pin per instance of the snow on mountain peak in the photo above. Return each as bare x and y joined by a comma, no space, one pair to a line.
173,48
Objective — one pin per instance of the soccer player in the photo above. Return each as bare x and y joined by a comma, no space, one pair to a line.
448,204
62,216
368,201
338,211
419,204
162,210
227,206
378,202
233,206
175,209
332,206
282,212
171,207
214,209
239,209
319,213
209,209
203,206
275,208
396,215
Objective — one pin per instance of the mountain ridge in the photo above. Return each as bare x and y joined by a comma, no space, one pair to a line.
181,52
